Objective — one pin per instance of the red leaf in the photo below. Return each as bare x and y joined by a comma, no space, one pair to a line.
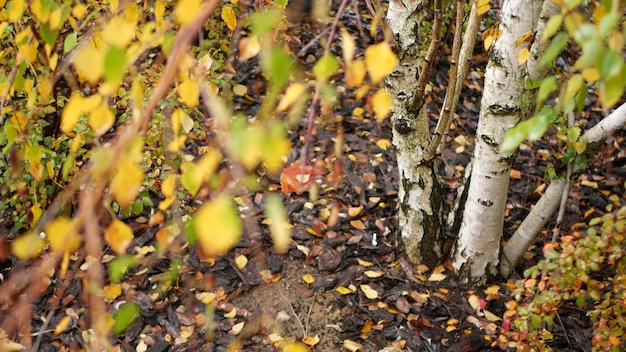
296,178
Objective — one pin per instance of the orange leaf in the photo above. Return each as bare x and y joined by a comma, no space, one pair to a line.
296,179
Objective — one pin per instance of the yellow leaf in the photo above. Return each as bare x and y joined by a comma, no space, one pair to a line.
168,186
279,226
348,46
177,119
236,329
482,7
292,93
231,314
36,211
111,292
383,144
62,325
17,10
195,174
591,74
218,226
119,32
374,274
79,11
101,120
492,290
380,60
344,290
490,316
295,347
524,37
126,182
89,63
228,15
381,102
474,302
437,277
28,246
355,73
241,261
489,36
189,93
62,235
37,10
186,10
308,278
523,56
369,291
119,236
55,19
249,47
364,263
352,346
311,341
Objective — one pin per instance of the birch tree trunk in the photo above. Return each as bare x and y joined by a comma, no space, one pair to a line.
420,195
477,250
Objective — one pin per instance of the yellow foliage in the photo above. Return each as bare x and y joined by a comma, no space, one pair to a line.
189,93
186,10
76,107
126,182
28,246
118,236
380,60
217,226
119,32
62,235
89,62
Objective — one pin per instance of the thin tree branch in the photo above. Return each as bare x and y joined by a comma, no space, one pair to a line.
458,72
430,58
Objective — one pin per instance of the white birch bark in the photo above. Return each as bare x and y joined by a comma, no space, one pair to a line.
477,250
525,234
420,197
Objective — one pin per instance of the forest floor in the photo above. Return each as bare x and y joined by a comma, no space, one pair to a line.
343,284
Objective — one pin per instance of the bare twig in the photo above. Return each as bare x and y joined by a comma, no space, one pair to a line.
429,59
456,82
294,314
571,119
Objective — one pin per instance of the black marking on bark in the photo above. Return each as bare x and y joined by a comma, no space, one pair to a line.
487,139
485,202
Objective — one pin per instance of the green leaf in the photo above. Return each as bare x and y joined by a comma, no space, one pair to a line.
263,22
120,265
325,67
114,64
547,86
585,33
608,23
538,126
574,84
553,25
70,42
558,43
611,64
610,91
125,315
514,137
48,34
592,51
278,66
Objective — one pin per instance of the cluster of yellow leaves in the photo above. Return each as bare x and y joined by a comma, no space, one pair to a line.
379,62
